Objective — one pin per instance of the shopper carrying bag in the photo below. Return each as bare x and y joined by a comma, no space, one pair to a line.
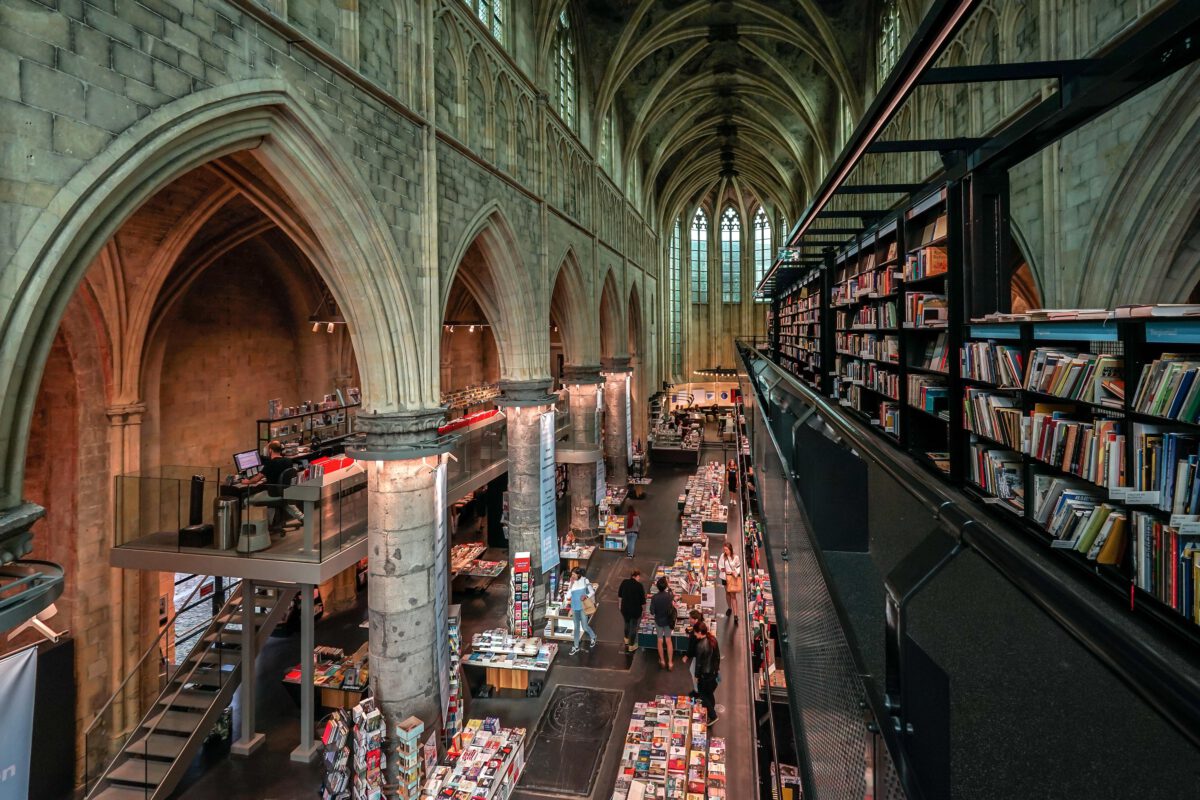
730,567
633,527
708,669
582,594
633,601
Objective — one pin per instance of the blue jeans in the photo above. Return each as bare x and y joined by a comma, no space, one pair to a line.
630,542
581,621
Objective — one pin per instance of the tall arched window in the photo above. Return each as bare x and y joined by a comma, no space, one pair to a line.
675,269
606,144
564,70
700,257
762,247
731,256
889,40
491,14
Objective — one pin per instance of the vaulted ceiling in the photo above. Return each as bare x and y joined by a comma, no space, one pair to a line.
708,90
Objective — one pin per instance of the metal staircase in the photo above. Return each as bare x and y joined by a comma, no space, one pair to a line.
164,742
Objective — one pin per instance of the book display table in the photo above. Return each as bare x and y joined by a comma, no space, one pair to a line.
692,581
510,662
701,499
487,767
612,529
637,486
576,555
668,754
463,555
340,681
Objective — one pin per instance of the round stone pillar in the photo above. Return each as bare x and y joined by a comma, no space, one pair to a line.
407,563
583,389
616,420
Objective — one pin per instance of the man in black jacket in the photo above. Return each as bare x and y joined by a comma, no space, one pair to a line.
633,600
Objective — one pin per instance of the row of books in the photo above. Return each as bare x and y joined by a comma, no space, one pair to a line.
1076,515
928,262
992,363
1000,473
936,355
869,345
1090,377
1166,562
928,393
1137,311
1164,469
668,755
880,315
1168,388
925,310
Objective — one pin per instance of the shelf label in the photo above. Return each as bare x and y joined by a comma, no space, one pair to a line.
992,501
1143,498
1191,528
1167,332
1118,492
1076,331
1178,520
995,332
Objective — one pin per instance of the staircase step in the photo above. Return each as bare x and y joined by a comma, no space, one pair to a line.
189,698
139,771
174,722
222,656
228,639
157,745
213,678
120,793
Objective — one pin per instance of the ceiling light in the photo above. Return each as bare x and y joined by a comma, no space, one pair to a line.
329,328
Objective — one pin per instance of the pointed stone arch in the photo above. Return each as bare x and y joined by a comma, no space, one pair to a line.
357,259
634,326
488,262
570,304
612,320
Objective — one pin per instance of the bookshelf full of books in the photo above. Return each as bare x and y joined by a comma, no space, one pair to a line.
798,329
865,299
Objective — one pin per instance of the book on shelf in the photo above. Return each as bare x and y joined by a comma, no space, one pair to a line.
937,354
998,364
1063,506
1168,388
1166,562
998,417
925,310
928,393
999,472
1164,469
1075,376
928,262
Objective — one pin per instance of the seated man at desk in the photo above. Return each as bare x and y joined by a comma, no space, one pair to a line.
271,474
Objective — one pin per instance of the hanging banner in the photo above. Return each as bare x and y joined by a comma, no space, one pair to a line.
549,500
18,679
441,556
628,419
600,479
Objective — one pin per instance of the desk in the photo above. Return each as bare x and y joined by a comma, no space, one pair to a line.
325,503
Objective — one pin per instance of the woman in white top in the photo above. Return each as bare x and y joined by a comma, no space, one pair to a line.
730,567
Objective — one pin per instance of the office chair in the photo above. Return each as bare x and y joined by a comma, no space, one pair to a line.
272,499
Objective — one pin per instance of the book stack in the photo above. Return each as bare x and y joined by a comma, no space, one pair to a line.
335,740
499,649
369,760
1076,376
408,758
1168,388
997,364
520,610
668,754
487,767
452,725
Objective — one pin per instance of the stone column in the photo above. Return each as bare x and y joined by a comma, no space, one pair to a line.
405,550
524,402
616,455
583,385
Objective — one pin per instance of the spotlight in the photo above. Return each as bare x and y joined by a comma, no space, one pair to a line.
471,329
329,328
451,328
316,327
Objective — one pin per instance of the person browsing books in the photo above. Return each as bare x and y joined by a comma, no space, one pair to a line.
633,601
708,669
689,657
633,526
662,606
730,567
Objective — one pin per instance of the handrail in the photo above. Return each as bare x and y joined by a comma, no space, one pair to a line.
138,667
1090,616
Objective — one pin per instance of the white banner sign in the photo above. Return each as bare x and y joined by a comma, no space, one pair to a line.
628,419
549,496
18,678
601,476
441,555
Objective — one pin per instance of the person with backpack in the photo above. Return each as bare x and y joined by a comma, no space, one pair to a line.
662,606
708,669
583,605
633,600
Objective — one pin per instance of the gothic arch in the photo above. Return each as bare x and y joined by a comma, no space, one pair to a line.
487,260
570,302
1151,207
612,320
292,143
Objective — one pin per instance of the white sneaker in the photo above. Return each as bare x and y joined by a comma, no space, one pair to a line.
574,650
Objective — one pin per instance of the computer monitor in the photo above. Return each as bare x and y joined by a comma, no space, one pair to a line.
247,461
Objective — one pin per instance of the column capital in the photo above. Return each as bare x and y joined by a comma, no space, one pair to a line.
125,413
531,392
580,374
399,435
615,364
16,538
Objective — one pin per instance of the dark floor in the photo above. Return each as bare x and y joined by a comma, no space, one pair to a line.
269,775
